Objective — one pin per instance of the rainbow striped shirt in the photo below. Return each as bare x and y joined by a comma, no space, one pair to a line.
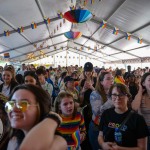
69,126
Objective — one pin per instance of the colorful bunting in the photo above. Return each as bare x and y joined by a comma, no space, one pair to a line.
128,36
81,48
72,7
140,40
60,24
73,16
85,2
35,45
115,31
103,24
6,55
64,20
92,1
33,25
60,15
75,48
46,20
20,30
95,48
6,33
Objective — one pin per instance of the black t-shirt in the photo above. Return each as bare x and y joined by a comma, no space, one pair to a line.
133,88
135,128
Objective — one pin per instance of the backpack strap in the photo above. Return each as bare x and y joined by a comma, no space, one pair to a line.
126,119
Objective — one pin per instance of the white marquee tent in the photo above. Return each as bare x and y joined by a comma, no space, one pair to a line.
47,44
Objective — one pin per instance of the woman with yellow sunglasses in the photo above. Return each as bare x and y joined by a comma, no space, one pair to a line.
28,111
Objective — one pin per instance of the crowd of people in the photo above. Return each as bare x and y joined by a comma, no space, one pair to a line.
74,108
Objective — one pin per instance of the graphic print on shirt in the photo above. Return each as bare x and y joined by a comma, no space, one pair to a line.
117,125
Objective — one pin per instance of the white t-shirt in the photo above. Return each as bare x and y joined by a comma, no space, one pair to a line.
47,87
6,90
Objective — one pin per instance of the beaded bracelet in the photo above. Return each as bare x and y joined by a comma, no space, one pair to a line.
54,117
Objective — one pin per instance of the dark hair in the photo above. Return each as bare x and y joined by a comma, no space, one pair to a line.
19,78
32,74
99,87
118,73
43,100
143,80
63,74
41,97
122,89
59,98
41,71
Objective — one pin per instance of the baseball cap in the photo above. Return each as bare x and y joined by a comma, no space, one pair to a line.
88,66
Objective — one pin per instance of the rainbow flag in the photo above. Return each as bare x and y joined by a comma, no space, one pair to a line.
33,25
6,55
115,31
35,45
20,30
60,15
72,7
119,80
71,147
103,24
75,48
92,1
46,20
60,24
95,48
128,36
64,20
140,40
6,33
76,138
85,2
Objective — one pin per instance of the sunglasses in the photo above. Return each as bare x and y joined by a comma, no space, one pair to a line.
22,105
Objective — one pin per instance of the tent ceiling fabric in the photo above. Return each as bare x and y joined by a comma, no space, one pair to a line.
131,16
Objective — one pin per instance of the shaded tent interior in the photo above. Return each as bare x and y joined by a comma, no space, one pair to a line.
129,16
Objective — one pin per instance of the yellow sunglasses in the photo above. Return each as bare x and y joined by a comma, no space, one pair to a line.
22,105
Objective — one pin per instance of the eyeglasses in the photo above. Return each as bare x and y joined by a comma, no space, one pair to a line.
22,105
121,96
